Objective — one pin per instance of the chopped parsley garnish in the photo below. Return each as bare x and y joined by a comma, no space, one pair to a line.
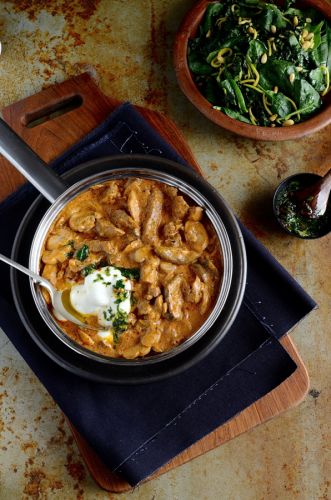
120,321
88,270
119,290
120,324
82,253
96,265
71,252
130,273
98,278
119,284
120,294
108,315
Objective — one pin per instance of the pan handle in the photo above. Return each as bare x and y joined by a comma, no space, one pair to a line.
34,169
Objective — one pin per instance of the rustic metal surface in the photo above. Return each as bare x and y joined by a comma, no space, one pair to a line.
127,47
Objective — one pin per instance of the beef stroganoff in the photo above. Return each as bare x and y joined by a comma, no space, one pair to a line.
137,258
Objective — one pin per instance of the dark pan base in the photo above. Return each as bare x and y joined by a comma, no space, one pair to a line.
112,373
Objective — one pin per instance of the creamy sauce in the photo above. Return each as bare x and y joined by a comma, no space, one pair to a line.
157,242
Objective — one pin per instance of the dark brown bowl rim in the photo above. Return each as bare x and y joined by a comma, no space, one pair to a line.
188,87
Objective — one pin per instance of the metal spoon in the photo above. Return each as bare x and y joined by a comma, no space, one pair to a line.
56,296
312,201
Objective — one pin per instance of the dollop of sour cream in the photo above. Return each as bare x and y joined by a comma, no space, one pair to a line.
105,293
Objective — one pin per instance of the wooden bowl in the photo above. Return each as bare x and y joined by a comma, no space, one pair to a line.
188,30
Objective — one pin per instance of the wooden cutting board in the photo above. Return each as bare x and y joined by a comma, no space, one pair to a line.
38,120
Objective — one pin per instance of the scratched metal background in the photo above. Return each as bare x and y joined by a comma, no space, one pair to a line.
126,44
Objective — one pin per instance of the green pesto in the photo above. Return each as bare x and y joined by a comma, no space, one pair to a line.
296,222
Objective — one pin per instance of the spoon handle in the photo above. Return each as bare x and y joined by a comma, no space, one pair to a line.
21,156
38,279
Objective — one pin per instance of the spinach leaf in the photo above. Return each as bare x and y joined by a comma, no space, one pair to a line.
291,12
239,96
294,52
235,69
288,4
212,91
233,114
321,54
316,30
82,253
232,95
211,55
294,42
229,94
328,41
197,64
279,105
213,10
306,97
317,79
271,15
277,73
256,50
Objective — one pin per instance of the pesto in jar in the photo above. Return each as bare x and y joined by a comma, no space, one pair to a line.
292,218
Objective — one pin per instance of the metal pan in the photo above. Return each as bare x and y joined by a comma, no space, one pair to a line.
60,191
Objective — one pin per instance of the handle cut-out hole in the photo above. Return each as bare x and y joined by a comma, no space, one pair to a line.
35,118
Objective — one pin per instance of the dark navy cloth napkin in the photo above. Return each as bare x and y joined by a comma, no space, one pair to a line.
137,429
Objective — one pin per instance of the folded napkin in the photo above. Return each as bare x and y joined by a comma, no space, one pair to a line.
137,429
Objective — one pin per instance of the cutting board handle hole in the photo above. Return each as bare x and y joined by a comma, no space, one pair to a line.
51,111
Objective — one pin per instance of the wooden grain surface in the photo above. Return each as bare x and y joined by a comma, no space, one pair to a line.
50,139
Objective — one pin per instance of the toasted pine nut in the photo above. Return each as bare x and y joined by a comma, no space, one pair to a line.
208,34
276,89
292,77
288,123
272,118
310,36
251,30
264,58
295,21
299,68
273,125
304,33
306,45
273,28
308,20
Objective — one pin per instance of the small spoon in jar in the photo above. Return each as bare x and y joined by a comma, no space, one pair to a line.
312,201
57,298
